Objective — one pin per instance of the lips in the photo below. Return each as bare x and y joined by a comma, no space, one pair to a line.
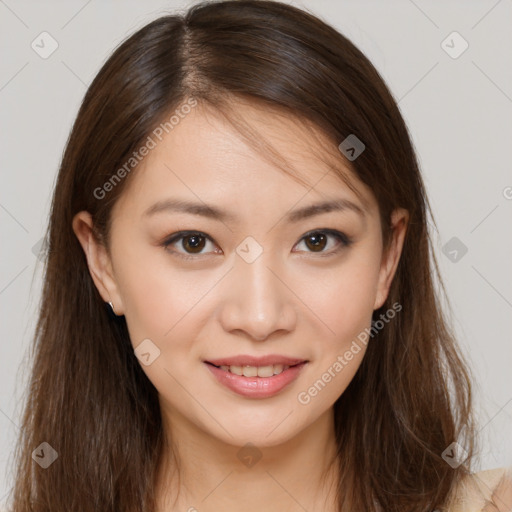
252,386
256,377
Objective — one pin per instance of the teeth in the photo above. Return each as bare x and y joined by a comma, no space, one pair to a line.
237,370
278,368
250,371
265,371
256,371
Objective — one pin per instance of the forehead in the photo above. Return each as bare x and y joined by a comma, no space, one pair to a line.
255,153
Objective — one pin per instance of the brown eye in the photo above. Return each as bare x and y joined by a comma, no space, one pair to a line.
316,242
193,243
325,242
190,245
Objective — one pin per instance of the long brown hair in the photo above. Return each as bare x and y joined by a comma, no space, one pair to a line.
88,396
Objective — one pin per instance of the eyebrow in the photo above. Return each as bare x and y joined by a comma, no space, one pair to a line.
180,206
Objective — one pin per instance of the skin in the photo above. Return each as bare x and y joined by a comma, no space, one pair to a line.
290,301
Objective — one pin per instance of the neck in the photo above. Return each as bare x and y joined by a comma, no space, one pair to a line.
200,472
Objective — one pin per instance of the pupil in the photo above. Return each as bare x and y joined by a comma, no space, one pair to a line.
318,241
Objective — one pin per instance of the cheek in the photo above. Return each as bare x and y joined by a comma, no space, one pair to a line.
160,300
344,297
343,300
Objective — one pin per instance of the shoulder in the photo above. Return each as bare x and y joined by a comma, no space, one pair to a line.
485,491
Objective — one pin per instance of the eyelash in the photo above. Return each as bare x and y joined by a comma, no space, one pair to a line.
344,242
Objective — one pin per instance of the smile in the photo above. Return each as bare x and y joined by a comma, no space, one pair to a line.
256,381
255,371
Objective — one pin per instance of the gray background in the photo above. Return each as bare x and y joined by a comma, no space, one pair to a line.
459,112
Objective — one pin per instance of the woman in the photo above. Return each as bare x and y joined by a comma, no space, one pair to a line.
240,189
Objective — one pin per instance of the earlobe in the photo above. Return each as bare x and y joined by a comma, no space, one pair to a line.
98,260
391,257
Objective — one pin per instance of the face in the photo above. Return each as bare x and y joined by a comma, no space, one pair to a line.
217,255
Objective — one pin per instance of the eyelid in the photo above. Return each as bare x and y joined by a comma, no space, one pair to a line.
343,239
182,234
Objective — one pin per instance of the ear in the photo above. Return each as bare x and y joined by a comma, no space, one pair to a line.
391,256
98,260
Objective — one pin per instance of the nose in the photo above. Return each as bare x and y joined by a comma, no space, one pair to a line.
257,300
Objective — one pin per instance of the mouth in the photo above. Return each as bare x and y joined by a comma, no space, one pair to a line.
256,380
256,371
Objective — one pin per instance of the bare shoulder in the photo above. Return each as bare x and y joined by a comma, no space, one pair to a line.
484,491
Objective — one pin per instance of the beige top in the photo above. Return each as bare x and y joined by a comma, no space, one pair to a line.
485,491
